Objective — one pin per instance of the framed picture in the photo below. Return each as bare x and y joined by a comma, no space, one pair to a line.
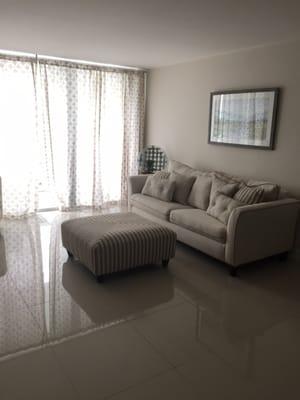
244,118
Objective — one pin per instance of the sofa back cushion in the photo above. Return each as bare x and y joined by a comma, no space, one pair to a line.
228,177
183,186
180,168
222,206
271,191
160,186
200,193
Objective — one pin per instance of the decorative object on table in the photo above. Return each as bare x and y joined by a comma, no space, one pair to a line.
152,159
243,117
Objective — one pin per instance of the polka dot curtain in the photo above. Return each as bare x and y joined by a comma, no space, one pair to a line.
72,128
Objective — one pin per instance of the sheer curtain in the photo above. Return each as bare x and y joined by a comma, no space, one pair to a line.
18,137
79,129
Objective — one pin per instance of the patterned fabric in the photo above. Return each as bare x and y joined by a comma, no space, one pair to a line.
152,159
18,140
77,133
116,242
270,190
249,195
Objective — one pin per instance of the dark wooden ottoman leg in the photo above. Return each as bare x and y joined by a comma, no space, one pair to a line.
100,278
70,254
233,271
283,256
165,263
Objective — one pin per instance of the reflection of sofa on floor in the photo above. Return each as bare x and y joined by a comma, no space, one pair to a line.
215,215
116,300
232,317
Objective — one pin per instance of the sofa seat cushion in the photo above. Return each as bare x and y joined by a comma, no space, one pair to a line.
156,207
200,222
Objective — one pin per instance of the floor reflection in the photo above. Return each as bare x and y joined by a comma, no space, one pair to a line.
197,318
123,296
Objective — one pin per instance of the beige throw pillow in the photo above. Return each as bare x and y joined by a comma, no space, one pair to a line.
222,206
222,186
160,186
199,195
183,185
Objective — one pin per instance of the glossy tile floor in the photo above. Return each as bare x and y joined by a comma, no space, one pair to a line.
189,332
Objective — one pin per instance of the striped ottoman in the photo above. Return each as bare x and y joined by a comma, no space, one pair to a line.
117,242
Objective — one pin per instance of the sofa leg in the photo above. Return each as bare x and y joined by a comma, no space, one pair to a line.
233,271
283,256
165,263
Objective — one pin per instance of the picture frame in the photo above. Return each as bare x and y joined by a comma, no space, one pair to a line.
244,118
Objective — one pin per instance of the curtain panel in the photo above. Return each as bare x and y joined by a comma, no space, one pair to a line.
72,130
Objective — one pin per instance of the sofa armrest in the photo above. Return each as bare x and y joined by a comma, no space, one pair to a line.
136,184
261,230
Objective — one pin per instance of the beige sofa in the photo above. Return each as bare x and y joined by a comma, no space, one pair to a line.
253,232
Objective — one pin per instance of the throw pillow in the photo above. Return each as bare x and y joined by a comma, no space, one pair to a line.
183,185
199,196
249,195
223,186
271,191
222,206
160,186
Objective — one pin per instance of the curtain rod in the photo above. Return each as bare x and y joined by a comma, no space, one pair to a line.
22,55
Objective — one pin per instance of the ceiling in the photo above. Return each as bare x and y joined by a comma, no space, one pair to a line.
148,34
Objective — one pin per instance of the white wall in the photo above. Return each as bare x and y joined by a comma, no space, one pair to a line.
178,112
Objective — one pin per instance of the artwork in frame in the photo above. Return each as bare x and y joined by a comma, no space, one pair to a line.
244,117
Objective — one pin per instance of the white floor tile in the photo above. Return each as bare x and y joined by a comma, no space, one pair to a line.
106,361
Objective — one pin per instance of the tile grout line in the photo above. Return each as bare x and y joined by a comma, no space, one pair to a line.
44,334
152,345
146,380
65,374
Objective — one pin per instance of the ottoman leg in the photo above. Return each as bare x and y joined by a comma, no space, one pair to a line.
100,278
165,263
70,254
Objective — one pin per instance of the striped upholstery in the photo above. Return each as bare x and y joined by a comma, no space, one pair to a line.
249,195
115,242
